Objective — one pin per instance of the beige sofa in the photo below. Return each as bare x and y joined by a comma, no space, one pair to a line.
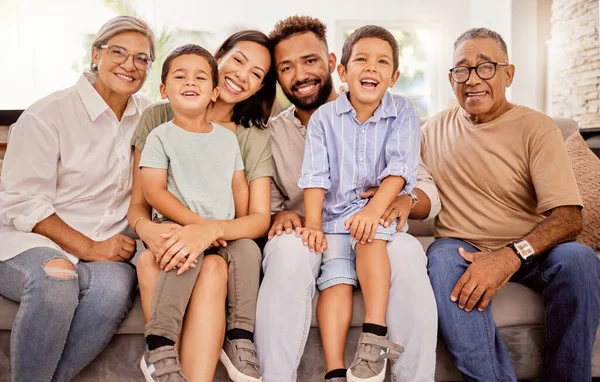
518,311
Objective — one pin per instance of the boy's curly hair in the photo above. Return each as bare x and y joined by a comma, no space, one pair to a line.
294,25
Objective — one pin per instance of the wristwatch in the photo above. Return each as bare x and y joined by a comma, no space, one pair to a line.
523,250
414,199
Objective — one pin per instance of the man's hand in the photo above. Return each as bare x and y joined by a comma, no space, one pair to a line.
116,248
363,225
314,238
488,272
398,209
285,220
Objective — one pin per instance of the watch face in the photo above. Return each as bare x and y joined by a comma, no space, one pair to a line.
524,248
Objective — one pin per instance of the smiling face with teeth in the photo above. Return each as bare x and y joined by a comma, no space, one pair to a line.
120,80
304,69
242,71
482,100
369,72
189,85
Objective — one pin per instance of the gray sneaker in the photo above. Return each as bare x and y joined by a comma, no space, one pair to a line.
239,358
162,365
370,359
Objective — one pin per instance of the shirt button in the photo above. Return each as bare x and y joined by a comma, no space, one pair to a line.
111,212
122,157
360,185
362,159
362,131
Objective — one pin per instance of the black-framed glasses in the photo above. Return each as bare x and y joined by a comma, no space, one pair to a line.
485,71
119,55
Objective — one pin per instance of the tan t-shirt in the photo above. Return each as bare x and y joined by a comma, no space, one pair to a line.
496,179
255,143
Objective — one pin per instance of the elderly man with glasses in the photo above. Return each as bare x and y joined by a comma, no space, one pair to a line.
506,216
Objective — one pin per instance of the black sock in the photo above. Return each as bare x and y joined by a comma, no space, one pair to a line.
240,334
378,330
155,342
337,373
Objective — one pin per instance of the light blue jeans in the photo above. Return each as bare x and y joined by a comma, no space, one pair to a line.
284,308
339,260
62,323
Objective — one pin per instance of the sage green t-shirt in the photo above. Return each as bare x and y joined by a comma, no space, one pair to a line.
199,166
255,143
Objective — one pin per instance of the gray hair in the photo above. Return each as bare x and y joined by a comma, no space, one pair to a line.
475,33
118,25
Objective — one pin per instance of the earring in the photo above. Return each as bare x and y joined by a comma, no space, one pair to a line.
94,66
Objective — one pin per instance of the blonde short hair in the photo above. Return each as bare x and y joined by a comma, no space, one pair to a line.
118,25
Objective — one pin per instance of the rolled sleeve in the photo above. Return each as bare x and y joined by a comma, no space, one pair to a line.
402,152
29,174
315,166
277,198
263,166
426,184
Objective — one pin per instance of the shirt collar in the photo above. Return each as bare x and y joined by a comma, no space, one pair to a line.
386,108
291,116
94,103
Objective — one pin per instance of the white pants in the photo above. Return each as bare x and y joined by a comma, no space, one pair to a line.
284,308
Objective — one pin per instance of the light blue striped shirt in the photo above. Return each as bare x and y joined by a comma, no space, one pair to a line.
345,157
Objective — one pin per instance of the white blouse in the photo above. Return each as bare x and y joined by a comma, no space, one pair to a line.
69,155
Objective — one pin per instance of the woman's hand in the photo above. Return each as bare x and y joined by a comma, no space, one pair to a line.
150,233
186,242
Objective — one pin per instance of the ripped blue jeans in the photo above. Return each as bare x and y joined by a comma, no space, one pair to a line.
66,317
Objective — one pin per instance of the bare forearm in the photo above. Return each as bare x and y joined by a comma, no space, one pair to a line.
69,239
420,210
241,200
389,189
562,224
251,226
136,213
170,207
313,206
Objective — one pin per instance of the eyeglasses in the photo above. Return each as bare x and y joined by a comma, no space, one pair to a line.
485,71
119,55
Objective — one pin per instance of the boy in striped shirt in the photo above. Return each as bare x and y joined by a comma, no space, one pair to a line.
366,138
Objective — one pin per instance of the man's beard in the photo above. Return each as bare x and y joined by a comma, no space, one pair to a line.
314,100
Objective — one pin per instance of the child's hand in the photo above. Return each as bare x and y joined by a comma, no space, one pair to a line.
314,238
363,225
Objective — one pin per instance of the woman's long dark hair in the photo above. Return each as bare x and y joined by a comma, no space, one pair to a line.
255,110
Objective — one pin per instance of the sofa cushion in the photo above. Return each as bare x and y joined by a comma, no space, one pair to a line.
567,126
586,167
513,305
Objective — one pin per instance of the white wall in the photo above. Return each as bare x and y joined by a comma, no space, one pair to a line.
448,18
37,31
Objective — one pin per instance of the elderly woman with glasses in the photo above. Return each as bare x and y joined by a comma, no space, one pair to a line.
64,194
